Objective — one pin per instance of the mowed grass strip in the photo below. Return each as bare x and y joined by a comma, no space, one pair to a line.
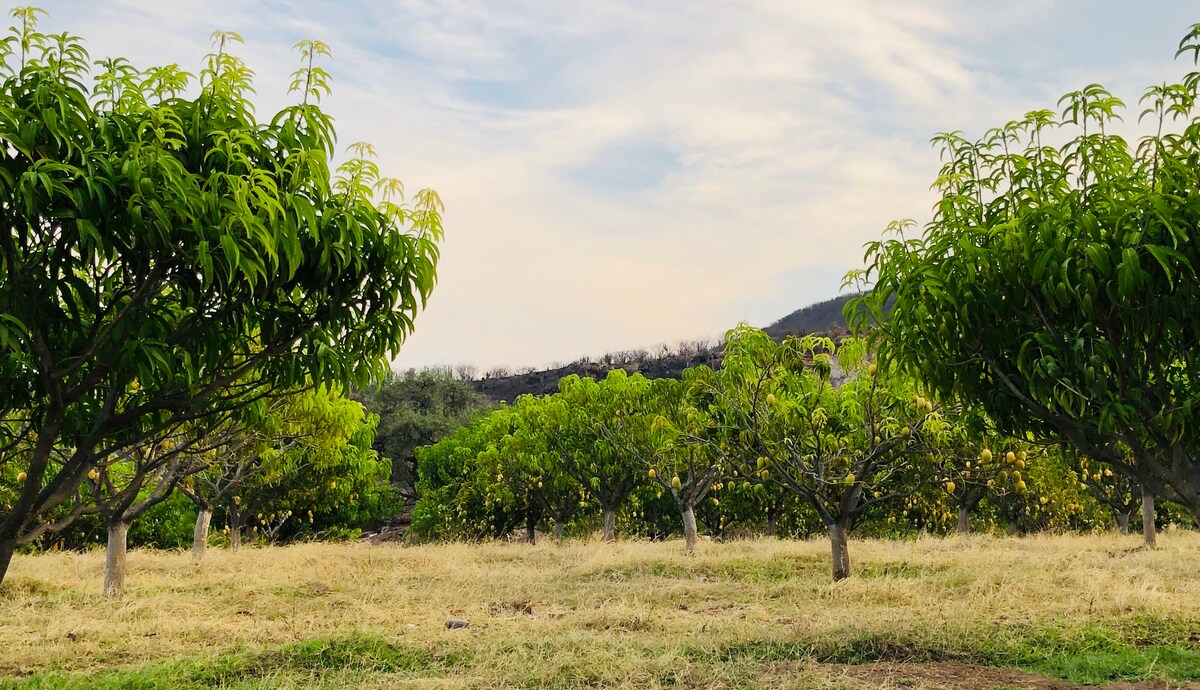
1082,608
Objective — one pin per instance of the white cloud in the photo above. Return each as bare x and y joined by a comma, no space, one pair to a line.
785,134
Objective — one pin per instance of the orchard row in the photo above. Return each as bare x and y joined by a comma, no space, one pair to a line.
796,437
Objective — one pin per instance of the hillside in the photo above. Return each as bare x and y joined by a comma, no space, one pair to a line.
823,317
815,318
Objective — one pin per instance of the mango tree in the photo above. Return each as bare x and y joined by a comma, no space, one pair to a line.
332,472
843,449
1044,495
518,474
445,490
968,472
766,508
1058,286
133,481
458,495
669,429
127,484
163,244
1120,495
291,434
416,408
543,433
652,512
605,469
977,460
238,453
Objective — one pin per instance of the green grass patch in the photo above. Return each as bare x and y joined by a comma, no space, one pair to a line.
355,656
1135,648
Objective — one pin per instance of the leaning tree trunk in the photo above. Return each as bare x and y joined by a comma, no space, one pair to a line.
689,530
114,559
200,535
7,548
1148,536
610,525
838,533
964,521
1123,523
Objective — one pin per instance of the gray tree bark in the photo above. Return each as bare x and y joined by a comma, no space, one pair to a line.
200,535
1123,523
114,559
1148,535
841,551
235,528
610,525
689,530
964,521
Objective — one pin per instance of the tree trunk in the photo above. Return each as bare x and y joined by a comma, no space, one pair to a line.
1148,536
610,524
7,549
114,559
531,529
689,530
1123,523
558,532
841,552
1013,529
772,526
964,521
200,535
235,528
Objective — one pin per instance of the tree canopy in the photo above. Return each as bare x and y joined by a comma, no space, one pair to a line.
417,408
168,255
1057,286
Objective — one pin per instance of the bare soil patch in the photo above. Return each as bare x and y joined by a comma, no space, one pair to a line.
952,675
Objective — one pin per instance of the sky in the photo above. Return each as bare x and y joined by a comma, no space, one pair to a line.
622,173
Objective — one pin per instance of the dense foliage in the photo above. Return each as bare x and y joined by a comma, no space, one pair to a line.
170,260
416,408
304,469
1057,286
791,438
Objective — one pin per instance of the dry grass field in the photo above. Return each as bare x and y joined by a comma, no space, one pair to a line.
980,612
